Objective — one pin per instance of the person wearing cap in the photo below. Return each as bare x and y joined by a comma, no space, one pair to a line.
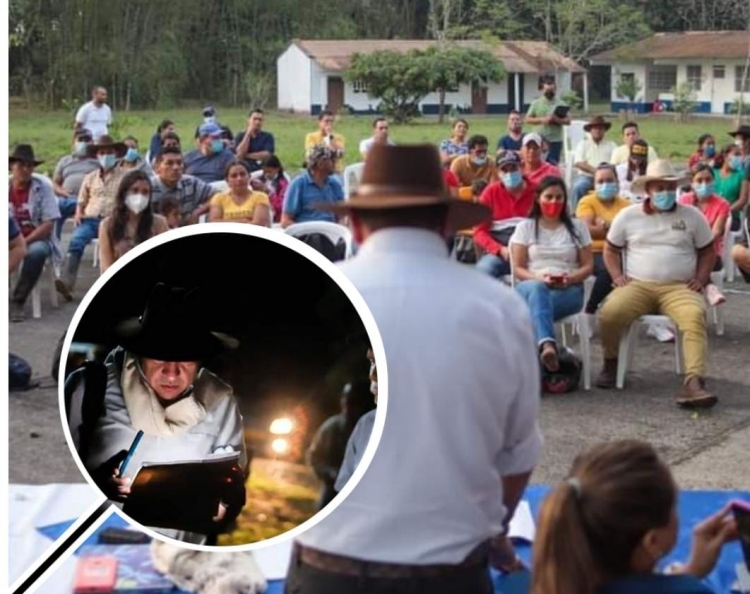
254,145
157,382
96,200
512,140
598,209
210,160
326,452
325,136
68,176
630,133
315,185
668,249
591,151
632,168
541,114
209,117
94,116
535,168
441,485
34,208
509,198
476,164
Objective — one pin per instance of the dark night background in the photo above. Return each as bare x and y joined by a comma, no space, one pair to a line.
300,337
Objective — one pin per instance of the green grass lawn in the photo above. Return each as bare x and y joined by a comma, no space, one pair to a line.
50,132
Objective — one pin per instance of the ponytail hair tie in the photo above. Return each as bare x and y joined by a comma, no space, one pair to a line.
575,484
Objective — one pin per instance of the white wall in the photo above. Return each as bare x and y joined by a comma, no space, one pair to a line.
318,85
293,78
358,101
497,93
460,99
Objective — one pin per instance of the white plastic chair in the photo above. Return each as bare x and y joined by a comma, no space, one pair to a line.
579,323
48,276
628,340
730,238
95,247
219,186
333,231
717,311
352,177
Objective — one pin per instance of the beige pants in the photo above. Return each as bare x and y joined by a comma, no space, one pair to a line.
685,307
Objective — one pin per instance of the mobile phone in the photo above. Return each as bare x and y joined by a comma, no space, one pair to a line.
741,511
556,278
95,575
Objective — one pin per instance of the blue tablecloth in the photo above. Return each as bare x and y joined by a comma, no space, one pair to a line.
693,506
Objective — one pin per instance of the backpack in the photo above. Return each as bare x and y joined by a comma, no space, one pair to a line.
464,249
19,373
568,375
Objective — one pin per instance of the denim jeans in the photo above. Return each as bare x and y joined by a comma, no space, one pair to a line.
555,153
581,186
67,206
549,305
31,269
602,285
82,236
493,265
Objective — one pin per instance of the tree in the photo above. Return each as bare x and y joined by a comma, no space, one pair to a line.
684,100
450,66
629,87
398,79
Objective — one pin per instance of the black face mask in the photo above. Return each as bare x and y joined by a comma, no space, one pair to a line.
549,94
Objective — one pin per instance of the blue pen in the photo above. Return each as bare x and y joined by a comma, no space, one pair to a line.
131,451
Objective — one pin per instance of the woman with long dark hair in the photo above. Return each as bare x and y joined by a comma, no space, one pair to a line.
728,182
240,203
132,221
605,528
551,257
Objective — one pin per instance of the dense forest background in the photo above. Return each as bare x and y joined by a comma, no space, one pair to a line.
160,53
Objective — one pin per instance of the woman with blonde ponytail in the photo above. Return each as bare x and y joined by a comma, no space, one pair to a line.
604,529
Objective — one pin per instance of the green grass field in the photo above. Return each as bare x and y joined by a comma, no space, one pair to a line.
50,132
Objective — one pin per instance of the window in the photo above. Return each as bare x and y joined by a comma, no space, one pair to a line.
662,80
739,73
694,77
359,87
719,71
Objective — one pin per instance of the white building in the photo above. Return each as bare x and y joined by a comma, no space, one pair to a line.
713,62
309,75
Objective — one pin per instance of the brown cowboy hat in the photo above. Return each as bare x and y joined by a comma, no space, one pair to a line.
407,176
25,154
743,130
597,121
106,141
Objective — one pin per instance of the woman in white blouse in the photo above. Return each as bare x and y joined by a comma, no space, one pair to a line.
551,255
632,168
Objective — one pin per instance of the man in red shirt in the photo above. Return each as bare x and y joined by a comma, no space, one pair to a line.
34,207
510,198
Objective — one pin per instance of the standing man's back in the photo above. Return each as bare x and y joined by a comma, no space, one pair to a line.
462,400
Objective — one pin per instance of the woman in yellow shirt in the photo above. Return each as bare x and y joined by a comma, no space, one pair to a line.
239,203
598,209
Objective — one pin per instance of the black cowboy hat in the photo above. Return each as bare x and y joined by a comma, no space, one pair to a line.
25,154
106,141
743,130
172,328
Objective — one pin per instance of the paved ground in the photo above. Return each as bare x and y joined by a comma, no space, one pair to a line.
706,450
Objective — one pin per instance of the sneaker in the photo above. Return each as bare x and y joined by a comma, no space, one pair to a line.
714,296
17,313
660,333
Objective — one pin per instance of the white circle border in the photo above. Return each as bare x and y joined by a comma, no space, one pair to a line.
332,270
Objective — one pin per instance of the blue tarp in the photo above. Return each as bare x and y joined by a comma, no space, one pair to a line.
693,506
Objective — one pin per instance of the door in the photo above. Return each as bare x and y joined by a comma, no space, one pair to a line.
478,98
335,93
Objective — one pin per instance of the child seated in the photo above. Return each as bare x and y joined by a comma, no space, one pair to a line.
170,210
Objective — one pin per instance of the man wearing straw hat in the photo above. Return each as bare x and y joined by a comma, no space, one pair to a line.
669,255
460,437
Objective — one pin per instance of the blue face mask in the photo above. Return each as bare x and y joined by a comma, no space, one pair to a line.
664,200
710,150
735,162
217,145
606,190
131,155
703,191
512,179
107,161
81,148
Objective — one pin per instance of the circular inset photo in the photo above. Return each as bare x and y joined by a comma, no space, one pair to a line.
213,381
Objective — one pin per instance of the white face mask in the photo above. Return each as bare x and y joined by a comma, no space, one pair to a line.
137,203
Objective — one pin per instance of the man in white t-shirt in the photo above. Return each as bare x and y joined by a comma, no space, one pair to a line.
669,255
460,437
95,116
379,136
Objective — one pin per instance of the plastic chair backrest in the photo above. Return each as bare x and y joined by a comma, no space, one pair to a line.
574,134
333,231
219,186
352,177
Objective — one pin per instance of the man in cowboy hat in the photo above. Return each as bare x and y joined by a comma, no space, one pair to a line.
155,382
460,437
95,201
317,184
593,150
669,255
34,207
